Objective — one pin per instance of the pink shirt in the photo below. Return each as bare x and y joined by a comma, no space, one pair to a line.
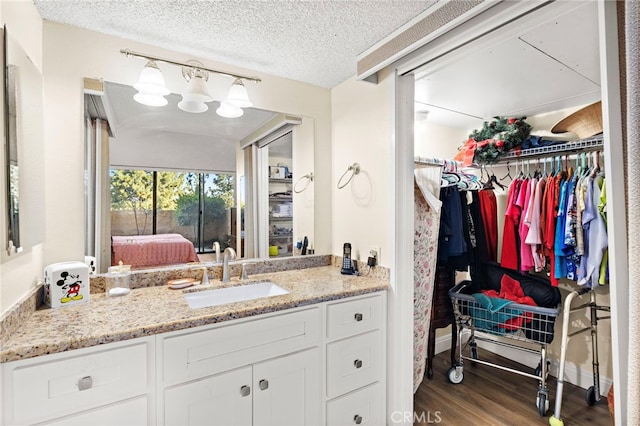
534,236
524,198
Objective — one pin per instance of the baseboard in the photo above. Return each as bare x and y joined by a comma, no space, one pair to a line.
574,374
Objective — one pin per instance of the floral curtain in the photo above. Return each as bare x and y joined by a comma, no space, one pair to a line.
425,250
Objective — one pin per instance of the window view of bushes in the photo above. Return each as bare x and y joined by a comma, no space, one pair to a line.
195,205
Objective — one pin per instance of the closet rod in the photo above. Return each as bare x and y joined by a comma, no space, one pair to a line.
428,161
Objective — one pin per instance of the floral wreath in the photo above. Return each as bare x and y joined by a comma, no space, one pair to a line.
496,138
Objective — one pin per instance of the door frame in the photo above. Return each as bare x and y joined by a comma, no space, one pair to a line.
402,272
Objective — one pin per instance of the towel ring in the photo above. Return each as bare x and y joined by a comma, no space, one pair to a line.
309,178
354,169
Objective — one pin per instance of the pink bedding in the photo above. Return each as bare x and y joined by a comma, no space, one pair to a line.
151,250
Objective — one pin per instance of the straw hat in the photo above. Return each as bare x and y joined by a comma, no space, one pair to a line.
585,122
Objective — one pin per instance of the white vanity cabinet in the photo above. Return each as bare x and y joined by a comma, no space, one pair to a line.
262,371
355,361
319,364
110,384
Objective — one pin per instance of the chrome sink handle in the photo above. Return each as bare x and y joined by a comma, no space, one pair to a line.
216,249
244,274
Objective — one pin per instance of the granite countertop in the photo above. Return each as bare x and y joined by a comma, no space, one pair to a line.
152,310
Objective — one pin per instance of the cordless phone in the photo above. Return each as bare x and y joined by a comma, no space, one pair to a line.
347,264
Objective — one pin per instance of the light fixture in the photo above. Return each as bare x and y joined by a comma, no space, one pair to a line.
193,100
228,110
150,86
238,95
421,115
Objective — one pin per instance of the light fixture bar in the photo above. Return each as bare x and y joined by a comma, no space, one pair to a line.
128,53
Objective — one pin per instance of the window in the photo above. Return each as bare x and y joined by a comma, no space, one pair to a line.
196,205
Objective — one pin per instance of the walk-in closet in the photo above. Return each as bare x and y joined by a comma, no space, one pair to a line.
513,201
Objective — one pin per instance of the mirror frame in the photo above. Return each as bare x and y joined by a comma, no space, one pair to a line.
24,131
12,212
278,122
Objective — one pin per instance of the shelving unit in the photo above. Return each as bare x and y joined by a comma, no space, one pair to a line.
572,147
281,216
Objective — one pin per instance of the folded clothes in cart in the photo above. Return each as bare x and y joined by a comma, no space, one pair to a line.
538,288
491,314
494,314
523,290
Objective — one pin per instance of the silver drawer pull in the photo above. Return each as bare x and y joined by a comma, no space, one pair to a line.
85,383
245,390
358,316
264,384
357,363
357,419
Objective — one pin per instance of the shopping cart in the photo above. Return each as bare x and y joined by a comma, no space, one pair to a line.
529,328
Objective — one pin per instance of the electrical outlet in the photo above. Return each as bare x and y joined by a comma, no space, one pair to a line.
374,251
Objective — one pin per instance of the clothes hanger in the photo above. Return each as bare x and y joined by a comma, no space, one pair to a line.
508,175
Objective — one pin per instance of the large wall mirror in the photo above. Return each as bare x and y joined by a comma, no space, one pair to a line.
23,153
174,172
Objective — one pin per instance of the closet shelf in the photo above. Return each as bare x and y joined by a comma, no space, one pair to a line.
582,145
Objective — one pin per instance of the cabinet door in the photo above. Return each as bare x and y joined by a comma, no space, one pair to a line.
224,399
287,390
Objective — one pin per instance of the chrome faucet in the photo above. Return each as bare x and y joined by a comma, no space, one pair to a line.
229,254
216,248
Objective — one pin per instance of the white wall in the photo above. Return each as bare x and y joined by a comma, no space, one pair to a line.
155,148
361,130
437,141
19,273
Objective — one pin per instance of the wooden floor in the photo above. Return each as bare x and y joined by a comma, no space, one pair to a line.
489,396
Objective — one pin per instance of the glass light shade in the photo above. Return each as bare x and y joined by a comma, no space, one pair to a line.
238,95
189,105
151,81
197,90
150,99
193,100
228,110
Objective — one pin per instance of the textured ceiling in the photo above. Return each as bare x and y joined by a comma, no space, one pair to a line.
314,41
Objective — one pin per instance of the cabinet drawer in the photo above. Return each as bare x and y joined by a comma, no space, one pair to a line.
354,362
364,406
196,354
131,412
44,388
354,317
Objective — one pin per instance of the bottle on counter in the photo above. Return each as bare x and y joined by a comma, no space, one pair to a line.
117,280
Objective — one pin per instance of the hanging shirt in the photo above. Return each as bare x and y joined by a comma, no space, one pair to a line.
560,270
526,259
569,244
580,205
451,241
596,242
602,207
489,210
549,211
509,254
534,236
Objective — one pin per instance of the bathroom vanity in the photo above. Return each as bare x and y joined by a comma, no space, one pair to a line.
313,356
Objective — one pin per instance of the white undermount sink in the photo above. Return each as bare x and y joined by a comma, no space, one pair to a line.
240,293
